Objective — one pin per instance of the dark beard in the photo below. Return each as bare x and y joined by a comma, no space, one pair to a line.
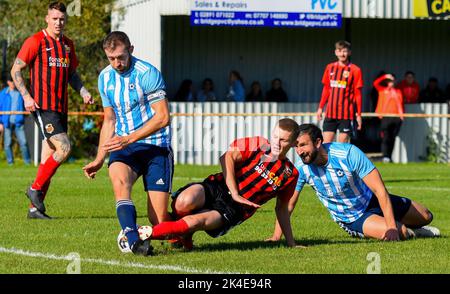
312,157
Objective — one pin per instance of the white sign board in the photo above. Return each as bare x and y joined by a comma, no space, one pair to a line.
265,13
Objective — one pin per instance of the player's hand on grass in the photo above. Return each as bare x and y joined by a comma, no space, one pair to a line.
273,239
391,235
116,143
239,199
90,169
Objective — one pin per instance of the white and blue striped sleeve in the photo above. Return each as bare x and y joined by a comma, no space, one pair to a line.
359,163
153,85
301,178
101,90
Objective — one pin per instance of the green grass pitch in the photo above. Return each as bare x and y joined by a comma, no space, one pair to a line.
85,223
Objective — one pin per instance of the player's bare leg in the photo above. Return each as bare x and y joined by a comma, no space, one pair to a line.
157,204
344,138
417,216
328,137
375,227
191,199
62,146
55,150
122,178
47,150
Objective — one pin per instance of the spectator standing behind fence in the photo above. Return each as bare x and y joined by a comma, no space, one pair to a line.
185,92
236,92
390,100
11,100
374,93
342,83
255,93
207,91
432,93
410,88
276,93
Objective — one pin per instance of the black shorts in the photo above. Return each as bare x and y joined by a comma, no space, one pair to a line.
50,122
343,125
217,197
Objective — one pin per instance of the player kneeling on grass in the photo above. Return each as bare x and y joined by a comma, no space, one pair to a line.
351,188
254,171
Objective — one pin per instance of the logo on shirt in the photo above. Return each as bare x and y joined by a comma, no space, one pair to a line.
338,84
48,49
49,128
58,62
272,178
346,73
131,86
340,173
67,47
288,172
111,88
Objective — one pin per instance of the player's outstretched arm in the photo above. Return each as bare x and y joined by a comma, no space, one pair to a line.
106,133
283,218
277,232
375,183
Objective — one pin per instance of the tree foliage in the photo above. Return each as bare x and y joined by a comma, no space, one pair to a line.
88,23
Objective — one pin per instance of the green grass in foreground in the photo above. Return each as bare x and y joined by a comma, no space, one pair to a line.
85,222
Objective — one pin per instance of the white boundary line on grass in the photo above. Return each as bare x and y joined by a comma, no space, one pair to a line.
111,262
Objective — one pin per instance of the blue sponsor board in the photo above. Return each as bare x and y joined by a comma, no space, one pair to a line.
266,19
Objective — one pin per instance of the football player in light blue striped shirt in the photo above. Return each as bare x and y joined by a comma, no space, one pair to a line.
136,133
350,187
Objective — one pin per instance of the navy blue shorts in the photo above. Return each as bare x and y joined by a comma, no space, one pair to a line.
153,163
400,205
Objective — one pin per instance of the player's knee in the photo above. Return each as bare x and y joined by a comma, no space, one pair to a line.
428,217
183,205
120,183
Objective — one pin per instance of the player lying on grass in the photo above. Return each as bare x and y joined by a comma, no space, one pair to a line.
351,188
254,171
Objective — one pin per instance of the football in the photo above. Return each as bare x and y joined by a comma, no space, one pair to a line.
145,232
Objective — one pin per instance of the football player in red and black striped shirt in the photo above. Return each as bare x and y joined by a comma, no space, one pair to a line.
342,84
53,62
254,170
